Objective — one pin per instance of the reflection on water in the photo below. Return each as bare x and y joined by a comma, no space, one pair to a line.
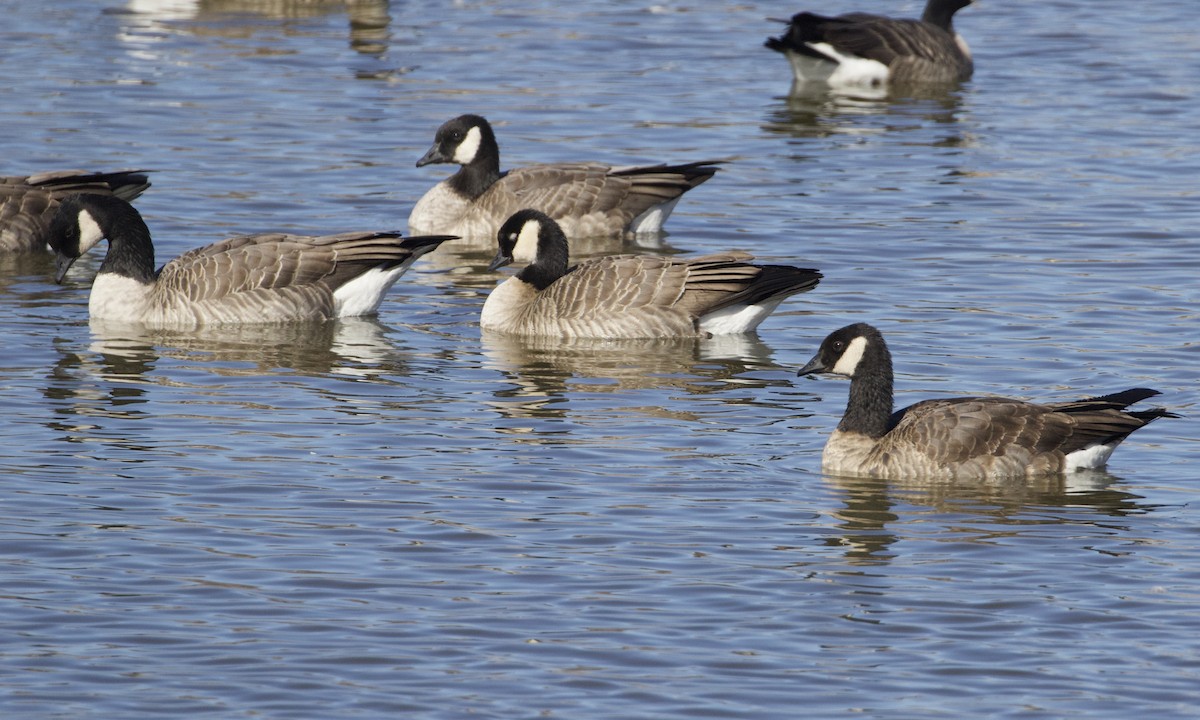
369,19
353,346
270,521
543,370
818,113
874,508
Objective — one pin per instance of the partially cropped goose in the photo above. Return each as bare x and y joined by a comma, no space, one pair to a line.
865,50
962,438
628,296
265,278
28,203
587,199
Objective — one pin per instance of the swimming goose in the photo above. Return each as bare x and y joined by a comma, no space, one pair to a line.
628,296
587,199
865,50
27,204
264,278
967,437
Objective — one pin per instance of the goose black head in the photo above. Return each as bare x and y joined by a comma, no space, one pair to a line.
843,351
75,229
463,140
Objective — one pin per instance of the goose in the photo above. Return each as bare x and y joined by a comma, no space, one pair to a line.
628,296
27,203
871,51
965,437
252,279
587,199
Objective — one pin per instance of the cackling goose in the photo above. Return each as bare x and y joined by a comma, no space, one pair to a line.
865,50
628,296
962,438
27,204
587,199
264,278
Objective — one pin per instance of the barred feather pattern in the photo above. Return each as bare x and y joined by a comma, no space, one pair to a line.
628,296
28,203
586,199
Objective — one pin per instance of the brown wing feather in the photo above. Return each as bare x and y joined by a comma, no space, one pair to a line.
269,261
27,204
571,189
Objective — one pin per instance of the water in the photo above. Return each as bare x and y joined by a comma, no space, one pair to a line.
401,518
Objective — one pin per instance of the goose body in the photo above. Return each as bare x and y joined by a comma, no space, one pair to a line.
871,51
252,279
966,437
628,296
28,203
586,199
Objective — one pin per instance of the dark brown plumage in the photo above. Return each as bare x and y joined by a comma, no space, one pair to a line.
586,199
966,437
28,203
826,49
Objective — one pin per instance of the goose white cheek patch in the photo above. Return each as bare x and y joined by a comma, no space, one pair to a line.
89,232
849,360
466,150
525,250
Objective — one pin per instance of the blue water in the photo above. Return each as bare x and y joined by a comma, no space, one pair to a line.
401,518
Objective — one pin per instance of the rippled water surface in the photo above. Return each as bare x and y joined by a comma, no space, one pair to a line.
401,518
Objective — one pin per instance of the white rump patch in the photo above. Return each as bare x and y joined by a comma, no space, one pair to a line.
362,295
1089,458
737,319
848,362
652,219
89,232
525,249
840,70
468,148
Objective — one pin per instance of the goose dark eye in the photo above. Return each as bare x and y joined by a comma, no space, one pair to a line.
838,344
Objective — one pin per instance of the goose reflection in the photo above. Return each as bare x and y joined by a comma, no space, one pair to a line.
543,370
873,506
352,346
369,19
821,113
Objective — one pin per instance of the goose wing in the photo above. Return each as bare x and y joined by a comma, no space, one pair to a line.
959,430
953,431
573,189
656,291
887,39
273,261
27,204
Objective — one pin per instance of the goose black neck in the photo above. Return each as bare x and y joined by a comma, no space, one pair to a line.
869,408
130,249
551,261
474,178
941,13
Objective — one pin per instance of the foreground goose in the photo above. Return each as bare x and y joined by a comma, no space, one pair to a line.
962,438
628,296
265,278
585,198
27,204
864,50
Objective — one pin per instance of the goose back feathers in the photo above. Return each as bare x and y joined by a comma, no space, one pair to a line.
629,296
586,199
263,278
966,437
865,50
27,204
